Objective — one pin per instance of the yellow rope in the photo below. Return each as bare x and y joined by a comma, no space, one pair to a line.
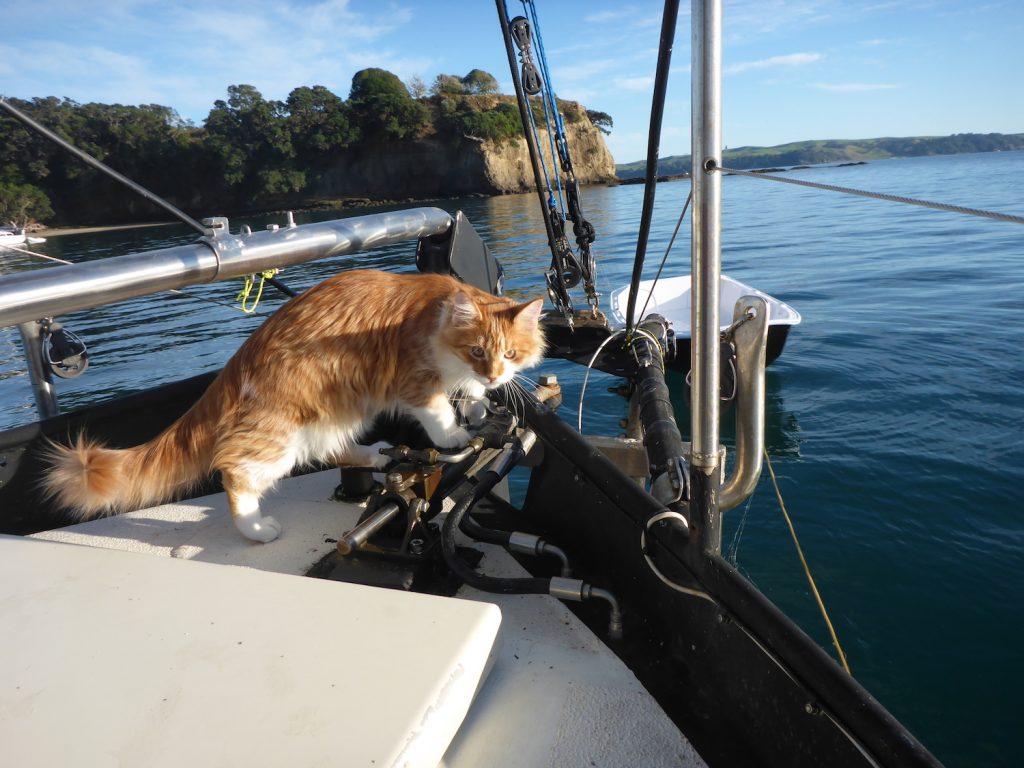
250,280
807,570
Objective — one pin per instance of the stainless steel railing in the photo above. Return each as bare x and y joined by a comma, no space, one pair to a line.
29,296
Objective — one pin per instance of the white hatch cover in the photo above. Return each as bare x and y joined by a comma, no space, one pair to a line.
115,658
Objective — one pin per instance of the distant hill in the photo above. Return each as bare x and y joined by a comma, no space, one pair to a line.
837,151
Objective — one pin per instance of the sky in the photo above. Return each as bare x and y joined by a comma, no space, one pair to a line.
793,69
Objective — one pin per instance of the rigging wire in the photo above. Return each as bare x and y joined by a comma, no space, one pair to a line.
807,570
556,131
562,260
879,196
664,258
569,206
88,159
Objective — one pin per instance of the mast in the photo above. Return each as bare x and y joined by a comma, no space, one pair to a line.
706,258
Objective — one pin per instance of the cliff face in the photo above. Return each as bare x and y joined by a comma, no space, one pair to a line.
449,167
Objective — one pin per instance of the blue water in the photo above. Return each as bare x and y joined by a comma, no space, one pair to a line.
895,416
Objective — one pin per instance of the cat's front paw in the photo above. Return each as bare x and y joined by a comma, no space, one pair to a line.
262,529
456,437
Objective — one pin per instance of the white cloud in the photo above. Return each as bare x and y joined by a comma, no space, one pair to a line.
184,53
855,87
644,83
603,16
788,60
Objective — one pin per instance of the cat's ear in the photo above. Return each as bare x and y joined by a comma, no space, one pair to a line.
463,310
528,315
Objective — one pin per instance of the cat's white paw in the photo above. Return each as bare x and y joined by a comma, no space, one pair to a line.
456,437
261,529
368,455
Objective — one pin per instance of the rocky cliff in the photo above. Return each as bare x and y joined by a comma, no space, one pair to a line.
450,166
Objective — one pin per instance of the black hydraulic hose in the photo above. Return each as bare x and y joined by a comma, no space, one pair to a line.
474,530
527,586
668,32
662,440
451,476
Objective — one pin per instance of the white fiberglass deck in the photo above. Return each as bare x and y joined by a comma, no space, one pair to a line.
555,695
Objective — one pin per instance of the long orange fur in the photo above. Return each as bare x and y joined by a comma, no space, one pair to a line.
305,386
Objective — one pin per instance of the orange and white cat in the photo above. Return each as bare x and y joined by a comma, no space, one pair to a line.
305,387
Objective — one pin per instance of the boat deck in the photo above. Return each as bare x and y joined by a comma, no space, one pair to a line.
554,696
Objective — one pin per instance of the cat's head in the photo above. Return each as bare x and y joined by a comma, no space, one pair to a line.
490,340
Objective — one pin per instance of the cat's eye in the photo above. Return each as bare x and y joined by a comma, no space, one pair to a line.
477,352
511,354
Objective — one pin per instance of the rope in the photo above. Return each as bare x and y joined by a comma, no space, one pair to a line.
807,570
85,157
33,253
880,196
243,295
668,514
556,131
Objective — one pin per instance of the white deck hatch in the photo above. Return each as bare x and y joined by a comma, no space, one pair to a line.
121,659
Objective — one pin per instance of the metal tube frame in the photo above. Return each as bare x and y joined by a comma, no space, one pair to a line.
28,296
706,138
38,372
751,317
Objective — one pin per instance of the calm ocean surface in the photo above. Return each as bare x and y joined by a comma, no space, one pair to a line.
895,416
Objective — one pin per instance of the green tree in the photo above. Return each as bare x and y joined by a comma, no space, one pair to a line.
250,137
601,120
21,204
478,81
382,108
447,85
318,121
462,118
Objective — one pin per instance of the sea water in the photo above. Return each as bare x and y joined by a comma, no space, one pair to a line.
895,416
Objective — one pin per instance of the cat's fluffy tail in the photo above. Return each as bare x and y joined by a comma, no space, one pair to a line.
90,480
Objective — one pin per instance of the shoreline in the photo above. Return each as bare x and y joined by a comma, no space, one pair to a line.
58,231
318,204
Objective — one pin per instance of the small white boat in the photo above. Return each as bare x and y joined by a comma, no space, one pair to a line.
671,300
13,236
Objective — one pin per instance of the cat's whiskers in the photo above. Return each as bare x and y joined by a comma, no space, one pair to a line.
519,394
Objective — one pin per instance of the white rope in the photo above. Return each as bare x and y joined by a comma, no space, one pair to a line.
667,515
593,359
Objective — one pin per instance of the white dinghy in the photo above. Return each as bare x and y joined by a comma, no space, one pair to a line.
670,298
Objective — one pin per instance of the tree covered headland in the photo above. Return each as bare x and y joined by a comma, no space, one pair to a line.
250,152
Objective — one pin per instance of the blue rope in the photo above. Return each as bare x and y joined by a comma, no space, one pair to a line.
554,155
550,105
543,164
543,58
